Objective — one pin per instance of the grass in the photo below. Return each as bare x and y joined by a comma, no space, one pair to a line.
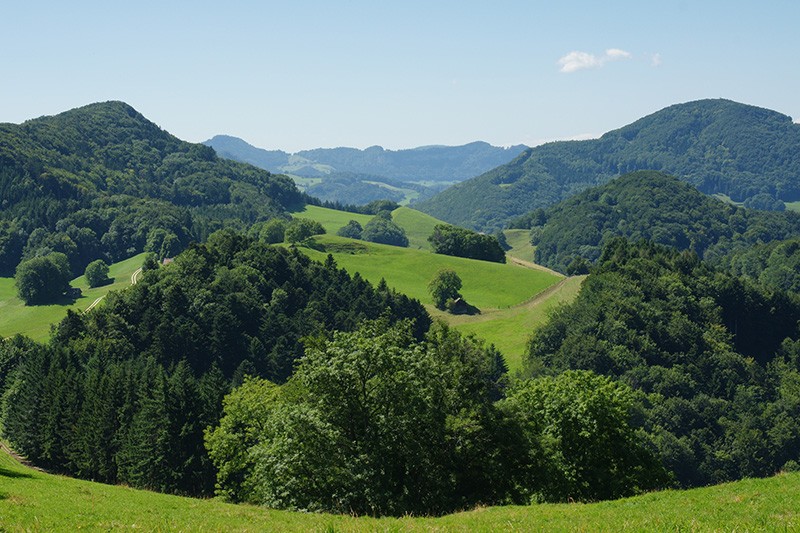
793,206
505,294
509,329
520,242
35,321
331,219
418,226
485,285
34,501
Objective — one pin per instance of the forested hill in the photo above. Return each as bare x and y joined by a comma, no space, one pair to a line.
748,153
102,181
426,163
653,206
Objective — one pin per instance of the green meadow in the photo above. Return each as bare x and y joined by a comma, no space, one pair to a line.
793,206
513,298
509,329
35,320
331,219
31,500
418,226
520,242
485,285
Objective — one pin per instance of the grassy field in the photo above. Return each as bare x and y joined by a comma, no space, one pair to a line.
509,329
513,298
34,501
34,321
331,219
486,285
793,206
520,242
418,226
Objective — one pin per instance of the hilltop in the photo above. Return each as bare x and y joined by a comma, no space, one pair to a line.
749,154
350,175
102,181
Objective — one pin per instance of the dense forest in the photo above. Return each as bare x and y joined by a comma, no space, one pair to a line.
653,206
102,182
715,359
748,153
124,393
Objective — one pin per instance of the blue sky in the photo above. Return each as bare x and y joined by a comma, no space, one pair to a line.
301,74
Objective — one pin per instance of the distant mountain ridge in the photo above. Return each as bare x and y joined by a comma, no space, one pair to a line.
424,163
719,146
351,175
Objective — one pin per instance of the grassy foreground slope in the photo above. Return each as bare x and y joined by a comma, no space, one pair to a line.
34,501
34,321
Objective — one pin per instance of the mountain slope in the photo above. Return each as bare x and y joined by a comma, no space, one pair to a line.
654,206
102,181
235,148
719,146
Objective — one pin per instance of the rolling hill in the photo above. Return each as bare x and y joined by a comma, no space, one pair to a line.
514,298
36,321
654,206
102,181
748,153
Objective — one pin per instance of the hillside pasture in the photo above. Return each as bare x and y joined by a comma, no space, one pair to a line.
34,321
509,329
331,219
418,226
486,285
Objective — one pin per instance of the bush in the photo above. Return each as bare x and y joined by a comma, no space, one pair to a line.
460,242
351,230
384,231
443,287
301,229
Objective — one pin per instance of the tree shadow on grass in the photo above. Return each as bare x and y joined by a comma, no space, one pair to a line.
13,473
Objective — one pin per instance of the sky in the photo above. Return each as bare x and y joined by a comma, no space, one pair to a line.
296,75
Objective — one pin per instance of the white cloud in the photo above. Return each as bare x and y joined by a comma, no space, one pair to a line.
656,60
576,60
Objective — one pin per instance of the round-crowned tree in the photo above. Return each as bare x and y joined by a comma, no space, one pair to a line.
96,273
42,279
444,286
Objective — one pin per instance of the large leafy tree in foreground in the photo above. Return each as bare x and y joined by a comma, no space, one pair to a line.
372,422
